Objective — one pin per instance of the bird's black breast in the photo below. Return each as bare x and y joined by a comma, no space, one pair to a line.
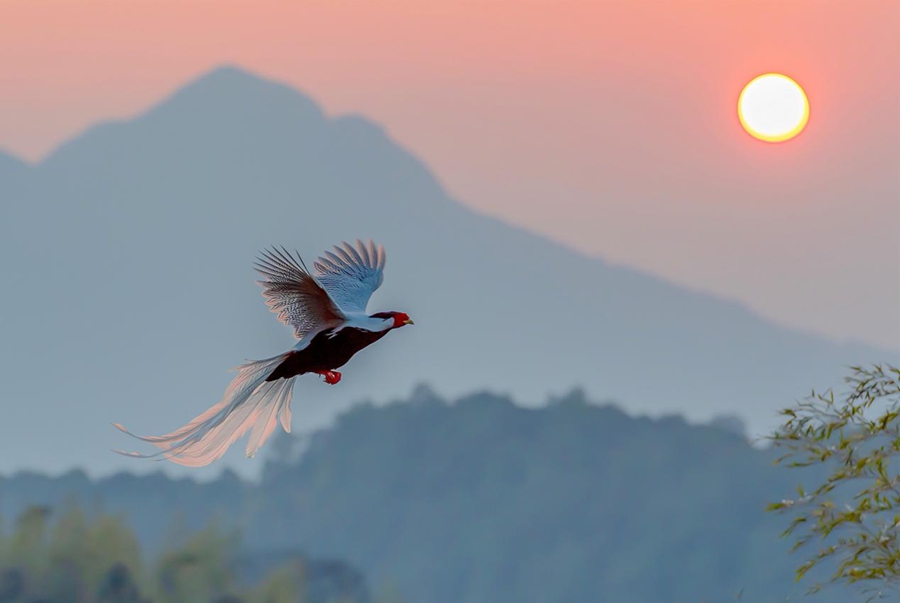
327,351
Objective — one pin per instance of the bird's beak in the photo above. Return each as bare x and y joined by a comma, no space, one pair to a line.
408,321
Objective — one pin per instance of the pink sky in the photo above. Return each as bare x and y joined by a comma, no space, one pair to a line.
607,125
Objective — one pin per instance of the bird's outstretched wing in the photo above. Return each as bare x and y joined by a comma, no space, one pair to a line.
352,274
294,295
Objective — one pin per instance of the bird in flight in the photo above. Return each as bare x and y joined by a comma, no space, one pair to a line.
327,311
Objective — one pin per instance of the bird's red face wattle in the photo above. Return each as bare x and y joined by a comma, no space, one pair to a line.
402,319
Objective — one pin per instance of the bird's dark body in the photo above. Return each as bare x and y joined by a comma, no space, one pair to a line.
325,353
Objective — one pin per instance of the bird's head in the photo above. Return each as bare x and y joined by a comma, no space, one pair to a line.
398,319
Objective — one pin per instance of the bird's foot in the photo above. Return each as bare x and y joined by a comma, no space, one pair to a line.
331,377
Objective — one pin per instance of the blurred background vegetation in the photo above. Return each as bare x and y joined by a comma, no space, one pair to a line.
73,556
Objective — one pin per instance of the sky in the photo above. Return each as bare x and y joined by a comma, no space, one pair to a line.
609,126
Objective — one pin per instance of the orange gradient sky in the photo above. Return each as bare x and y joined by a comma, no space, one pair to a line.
608,125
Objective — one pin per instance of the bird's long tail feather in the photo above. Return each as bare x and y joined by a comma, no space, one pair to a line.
250,403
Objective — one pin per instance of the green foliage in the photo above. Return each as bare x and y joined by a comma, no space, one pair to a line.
201,568
25,544
73,558
284,585
109,542
853,511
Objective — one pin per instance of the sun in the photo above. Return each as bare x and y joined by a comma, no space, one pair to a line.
773,108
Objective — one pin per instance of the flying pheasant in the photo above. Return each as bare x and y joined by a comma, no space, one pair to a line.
328,314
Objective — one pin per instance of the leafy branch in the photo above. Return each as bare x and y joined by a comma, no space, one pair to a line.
854,510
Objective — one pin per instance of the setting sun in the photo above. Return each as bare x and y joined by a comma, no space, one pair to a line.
773,108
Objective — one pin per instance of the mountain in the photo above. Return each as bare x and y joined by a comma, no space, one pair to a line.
13,172
484,500
128,265
10,165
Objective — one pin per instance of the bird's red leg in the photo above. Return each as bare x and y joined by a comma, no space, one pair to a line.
331,377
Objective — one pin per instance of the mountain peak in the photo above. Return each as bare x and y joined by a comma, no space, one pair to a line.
224,105
9,162
231,87
230,72
226,78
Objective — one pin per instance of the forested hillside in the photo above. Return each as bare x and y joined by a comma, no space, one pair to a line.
483,500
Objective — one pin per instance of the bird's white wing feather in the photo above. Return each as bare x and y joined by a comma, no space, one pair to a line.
351,274
295,295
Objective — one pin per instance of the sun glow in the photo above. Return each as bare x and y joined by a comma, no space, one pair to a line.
773,108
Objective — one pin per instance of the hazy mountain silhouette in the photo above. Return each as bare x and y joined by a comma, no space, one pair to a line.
10,164
128,267
12,173
482,500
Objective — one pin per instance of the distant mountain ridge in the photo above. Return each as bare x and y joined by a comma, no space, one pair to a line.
12,169
128,256
9,161
479,499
